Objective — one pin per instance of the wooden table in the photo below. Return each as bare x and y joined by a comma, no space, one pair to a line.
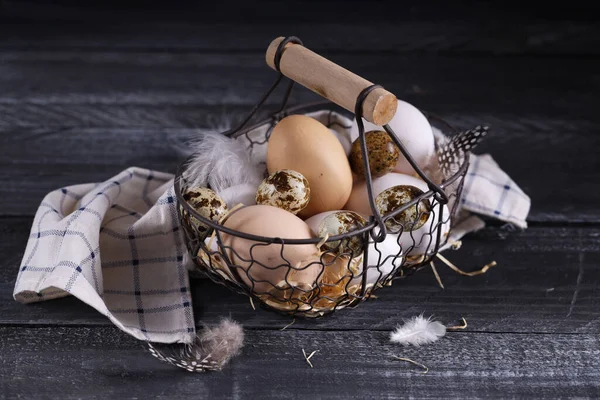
85,94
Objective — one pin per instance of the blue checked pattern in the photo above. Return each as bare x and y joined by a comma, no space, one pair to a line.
116,246
491,192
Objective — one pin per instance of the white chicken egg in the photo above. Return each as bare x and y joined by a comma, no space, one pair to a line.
422,241
413,130
383,259
286,189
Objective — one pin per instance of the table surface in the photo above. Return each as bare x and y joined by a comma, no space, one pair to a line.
85,94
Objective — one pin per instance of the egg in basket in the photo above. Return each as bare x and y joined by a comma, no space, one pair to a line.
311,211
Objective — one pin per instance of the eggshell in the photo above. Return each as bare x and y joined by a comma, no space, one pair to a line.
211,256
206,203
359,197
286,189
383,259
383,154
244,193
264,266
419,241
414,131
343,277
305,145
336,223
396,197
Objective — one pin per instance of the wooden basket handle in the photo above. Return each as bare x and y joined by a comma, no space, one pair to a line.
331,81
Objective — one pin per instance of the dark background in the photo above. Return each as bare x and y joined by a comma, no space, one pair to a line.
90,88
358,10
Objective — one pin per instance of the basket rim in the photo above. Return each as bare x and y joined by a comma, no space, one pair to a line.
327,105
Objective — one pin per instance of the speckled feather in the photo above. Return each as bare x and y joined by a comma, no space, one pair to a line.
452,155
211,351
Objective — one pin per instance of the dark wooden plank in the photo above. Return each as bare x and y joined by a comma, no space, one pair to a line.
35,161
103,362
264,11
36,83
539,267
474,36
528,104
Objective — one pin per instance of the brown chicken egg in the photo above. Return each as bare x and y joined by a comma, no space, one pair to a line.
383,154
303,144
268,267
285,189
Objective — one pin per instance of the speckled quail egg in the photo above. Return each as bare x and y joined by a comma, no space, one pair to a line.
286,189
412,128
206,203
383,154
334,223
396,197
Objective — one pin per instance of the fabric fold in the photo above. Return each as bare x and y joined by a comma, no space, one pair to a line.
118,247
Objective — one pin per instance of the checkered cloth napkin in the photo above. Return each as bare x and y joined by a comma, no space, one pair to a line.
491,192
118,247
488,192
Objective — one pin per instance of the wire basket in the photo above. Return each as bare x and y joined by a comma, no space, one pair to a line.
347,268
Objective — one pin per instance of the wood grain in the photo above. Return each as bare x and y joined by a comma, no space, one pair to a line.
81,86
541,154
410,29
538,268
103,362
33,82
49,92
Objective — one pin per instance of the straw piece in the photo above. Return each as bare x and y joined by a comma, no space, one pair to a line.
463,326
228,213
323,241
435,273
307,358
456,245
458,270
413,362
288,325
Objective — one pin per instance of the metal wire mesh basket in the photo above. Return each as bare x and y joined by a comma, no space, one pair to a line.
343,269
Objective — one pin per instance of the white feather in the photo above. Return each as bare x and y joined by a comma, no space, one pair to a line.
220,162
417,331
